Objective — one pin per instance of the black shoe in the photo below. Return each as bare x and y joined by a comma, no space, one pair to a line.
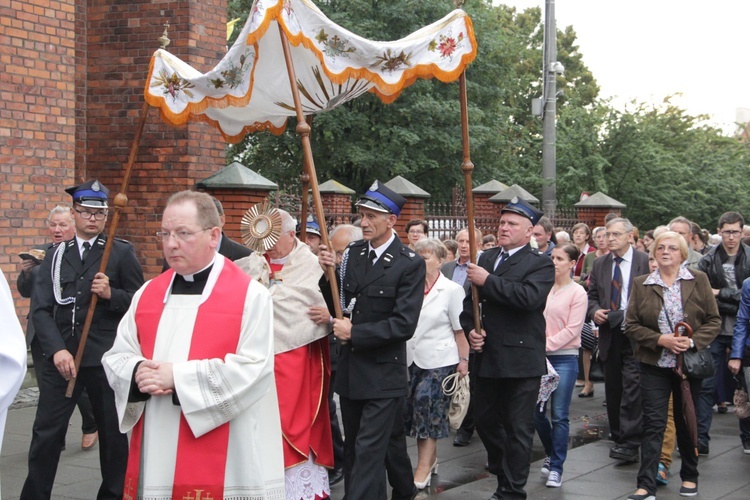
494,497
462,439
622,453
688,492
645,496
703,449
335,476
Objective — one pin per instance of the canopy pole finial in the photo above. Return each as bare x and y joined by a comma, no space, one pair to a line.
164,38
459,3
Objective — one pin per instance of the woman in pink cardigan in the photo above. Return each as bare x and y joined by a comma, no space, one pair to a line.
565,313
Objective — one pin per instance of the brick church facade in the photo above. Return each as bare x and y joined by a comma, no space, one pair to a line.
72,74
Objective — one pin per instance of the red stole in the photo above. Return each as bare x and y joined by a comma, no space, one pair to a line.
201,462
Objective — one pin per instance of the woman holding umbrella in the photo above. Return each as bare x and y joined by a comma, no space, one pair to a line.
658,301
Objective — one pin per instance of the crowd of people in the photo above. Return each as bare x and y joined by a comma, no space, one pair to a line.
222,366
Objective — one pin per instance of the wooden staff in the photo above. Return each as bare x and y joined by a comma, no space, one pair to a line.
303,130
121,201
467,167
305,178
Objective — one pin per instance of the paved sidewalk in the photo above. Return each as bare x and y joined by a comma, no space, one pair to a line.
589,472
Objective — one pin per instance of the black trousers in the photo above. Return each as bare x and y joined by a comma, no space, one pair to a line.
623,392
504,414
369,429
656,386
397,461
51,423
88,424
468,425
337,438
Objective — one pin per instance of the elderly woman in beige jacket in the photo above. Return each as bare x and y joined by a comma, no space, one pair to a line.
658,301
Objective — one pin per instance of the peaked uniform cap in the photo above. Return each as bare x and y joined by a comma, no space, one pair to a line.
91,194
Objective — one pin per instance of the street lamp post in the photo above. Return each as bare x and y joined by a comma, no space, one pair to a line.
549,100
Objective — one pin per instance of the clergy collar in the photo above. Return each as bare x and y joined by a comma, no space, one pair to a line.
206,270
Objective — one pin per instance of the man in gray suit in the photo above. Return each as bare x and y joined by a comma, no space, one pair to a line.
456,272
609,287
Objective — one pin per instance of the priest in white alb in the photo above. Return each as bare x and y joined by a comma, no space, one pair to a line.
192,371
12,352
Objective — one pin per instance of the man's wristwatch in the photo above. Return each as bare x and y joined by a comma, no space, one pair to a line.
464,359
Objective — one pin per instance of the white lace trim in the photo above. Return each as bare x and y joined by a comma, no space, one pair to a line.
306,481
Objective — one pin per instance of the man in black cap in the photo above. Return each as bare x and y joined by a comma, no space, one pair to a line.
312,234
68,277
513,281
382,285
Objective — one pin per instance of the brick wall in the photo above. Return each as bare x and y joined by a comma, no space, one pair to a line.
37,121
336,203
72,74
413,209
235,203
119,41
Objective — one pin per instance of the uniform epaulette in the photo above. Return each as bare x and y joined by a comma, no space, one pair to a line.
357,243
123,240
408,252
71,243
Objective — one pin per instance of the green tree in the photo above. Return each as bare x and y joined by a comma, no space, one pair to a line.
663,162
419,135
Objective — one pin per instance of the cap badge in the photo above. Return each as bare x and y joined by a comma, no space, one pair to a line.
95,186
374,186
514,200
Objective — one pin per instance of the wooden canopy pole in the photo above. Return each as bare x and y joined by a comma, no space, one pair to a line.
467,167
303,130
305,178
121,201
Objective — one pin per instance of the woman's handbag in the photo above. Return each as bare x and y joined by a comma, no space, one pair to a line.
741,404
695,364
458,389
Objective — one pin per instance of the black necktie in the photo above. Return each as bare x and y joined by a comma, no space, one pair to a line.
371,258
86,249
502,258
616,292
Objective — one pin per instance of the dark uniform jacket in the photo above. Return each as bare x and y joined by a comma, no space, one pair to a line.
600,290
512,304
60,326
25,285
389,300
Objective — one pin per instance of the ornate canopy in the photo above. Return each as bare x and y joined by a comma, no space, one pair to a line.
249,89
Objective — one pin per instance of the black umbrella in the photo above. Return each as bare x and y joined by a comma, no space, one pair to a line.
688,405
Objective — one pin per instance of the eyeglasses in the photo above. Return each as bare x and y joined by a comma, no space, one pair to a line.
183,235
85,214
733,233
613,234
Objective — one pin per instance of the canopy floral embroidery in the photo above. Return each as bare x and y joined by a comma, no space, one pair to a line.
249,89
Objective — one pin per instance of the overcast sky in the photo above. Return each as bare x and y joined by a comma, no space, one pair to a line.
648,49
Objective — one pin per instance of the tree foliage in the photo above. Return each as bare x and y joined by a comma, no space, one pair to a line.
658,160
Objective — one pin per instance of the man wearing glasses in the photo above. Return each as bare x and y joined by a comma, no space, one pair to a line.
727,265
67,279
609,289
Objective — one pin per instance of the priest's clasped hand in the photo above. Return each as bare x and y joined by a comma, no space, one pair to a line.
155,378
